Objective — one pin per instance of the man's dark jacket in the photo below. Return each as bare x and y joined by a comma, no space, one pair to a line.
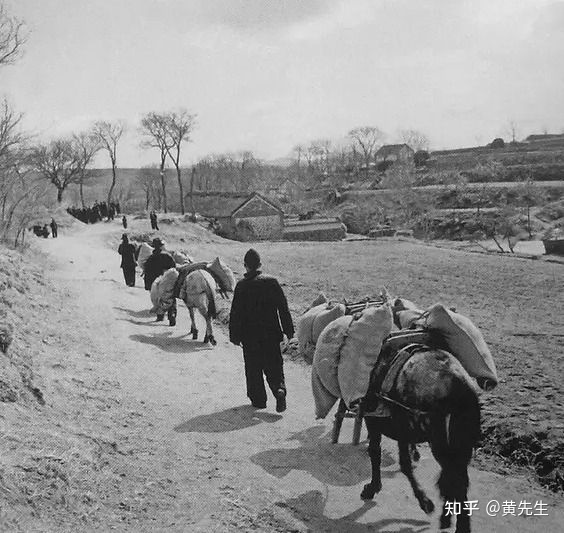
259,310
157,263
128,254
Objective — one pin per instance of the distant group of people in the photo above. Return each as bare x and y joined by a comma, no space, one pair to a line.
258,322
43,231
95,213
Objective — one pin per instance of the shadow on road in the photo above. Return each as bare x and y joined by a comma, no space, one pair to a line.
232,419
168,343
310,506
334,464
145,313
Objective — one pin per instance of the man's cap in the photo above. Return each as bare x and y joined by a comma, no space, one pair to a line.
124,237
158,242
252,259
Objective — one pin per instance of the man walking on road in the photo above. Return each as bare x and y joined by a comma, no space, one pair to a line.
54,228
156,265
258,321
128,254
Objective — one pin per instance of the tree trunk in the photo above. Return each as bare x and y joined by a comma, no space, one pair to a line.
82,194
180,188
164,190
60,194
192,207
147,200
111,191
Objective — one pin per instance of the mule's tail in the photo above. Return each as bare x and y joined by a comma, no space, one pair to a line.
463,423
212,309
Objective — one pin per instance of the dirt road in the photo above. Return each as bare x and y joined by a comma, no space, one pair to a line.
190,454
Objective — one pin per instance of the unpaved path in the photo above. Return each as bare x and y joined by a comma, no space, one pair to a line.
201,458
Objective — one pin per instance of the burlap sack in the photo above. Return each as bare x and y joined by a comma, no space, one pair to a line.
223,274
322,398
162,291
144,252
325,317
328,352
465,342
361,349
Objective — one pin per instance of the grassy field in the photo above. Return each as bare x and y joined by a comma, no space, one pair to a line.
516,303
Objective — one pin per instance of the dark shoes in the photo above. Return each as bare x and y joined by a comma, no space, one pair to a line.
258,405
172,321
280,400
160,318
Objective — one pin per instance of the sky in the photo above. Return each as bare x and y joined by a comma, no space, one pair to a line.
265,75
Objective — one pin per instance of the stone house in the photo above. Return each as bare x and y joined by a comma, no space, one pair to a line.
395,153
241,216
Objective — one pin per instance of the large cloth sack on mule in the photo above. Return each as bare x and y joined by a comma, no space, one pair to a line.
162,291
360,352
325,317
322,398
321,299
313,322
223,275
196,286
144,252
409,318
465,341
183,271
328,352
181,258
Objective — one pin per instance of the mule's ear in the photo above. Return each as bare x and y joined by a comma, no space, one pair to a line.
385,295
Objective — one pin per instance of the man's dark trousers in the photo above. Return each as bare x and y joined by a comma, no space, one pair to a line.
263,356
129,275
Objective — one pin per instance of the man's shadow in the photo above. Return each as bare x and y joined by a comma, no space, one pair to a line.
310,508
332,464
232,419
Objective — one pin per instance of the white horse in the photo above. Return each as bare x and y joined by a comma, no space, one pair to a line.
199,291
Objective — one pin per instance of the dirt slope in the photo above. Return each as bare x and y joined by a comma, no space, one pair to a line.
146,430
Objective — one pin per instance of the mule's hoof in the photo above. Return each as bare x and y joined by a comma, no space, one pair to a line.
194,335
206,339
370,490
427,505
212,340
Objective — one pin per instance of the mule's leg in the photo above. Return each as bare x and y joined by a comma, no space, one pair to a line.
452,448
209,332
375,452
193,329
406,467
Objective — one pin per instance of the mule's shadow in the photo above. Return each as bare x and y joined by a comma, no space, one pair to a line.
310,508
167,343
332,464
145,313
232,419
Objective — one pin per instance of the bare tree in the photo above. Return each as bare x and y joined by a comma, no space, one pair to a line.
154,128
147,180
512,129
12,37
87,145
59,162
415,139
366,138
108,135
179,125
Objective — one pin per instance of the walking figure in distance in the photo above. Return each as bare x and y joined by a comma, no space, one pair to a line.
259,308
156,265
54,228
128,253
